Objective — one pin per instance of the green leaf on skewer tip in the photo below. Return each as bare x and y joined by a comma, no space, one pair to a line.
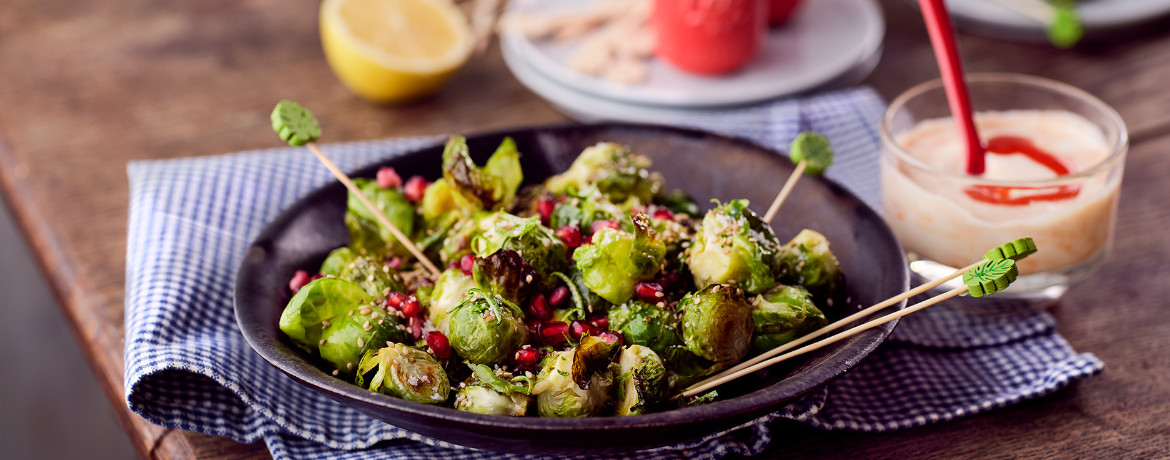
1014,250
991,277
814,150
295,124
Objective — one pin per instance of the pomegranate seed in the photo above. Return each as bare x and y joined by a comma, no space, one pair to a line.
545,207
467,263
415,327
552,332
395,300
527,357
539,307
580,328
388,178
559,296
454,265
609,337
602,223
649,292
395,263
414,189
588,239
439,344
601,322
410,306
663,214
298,281
570,235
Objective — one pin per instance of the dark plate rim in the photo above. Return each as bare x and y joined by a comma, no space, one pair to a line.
748,405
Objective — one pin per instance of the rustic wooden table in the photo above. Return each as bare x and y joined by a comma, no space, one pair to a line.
87,86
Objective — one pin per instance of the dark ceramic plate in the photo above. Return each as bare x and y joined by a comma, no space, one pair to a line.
706,166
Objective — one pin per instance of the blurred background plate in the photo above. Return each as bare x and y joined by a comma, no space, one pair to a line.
825,39
1100,18
587,108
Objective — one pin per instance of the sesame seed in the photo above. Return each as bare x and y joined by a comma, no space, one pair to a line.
528,278
659,294
389,343
660,304
322,342
349,366
380,322
365,310
335,372
732,281
350,313
361,343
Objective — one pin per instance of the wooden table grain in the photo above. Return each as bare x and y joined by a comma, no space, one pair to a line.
86,86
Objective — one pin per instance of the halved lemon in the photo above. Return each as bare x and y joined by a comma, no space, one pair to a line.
394,50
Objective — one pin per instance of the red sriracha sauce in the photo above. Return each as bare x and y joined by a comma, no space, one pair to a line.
1022,195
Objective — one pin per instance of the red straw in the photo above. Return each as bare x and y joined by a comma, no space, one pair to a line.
942,37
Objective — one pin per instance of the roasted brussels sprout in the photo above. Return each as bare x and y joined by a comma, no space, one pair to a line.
452,286
507,274
685,368
407,373
734,245
594,354
318,320
373,276
807,261
491,187
717,323
481,399
557,392
581,208
615,260
641,323
442,202
485,328
781,315
641,380
457,241
488,393
615,171
543,250
369,237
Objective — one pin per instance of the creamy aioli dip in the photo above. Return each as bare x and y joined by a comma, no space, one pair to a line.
936,216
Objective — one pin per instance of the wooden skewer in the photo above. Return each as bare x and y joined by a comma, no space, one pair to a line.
728,376
341,176
788,186
842,322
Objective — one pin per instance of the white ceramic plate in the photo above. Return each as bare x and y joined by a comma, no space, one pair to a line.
588,108
1100,18
825,39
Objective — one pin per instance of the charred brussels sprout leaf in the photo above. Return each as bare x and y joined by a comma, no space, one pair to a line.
685,368
615,171
406,373
640,323
717,324
807,261
559,396
537,244
507,274
442,202
366,233
317,319
641,380
449,290
491,187
486,329
615,260
733,243
781,315
337,260
593,355
457,242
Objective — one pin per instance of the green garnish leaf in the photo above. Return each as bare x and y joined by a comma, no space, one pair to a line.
991,277
1065,30
814,150
1014,250
295,124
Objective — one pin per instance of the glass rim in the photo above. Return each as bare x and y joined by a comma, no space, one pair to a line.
1119,147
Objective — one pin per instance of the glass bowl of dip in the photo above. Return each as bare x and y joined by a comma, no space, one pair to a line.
1054,167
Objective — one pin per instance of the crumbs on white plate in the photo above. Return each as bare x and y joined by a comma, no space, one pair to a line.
615,37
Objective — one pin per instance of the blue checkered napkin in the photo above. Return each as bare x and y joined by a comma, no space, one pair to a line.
187,366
